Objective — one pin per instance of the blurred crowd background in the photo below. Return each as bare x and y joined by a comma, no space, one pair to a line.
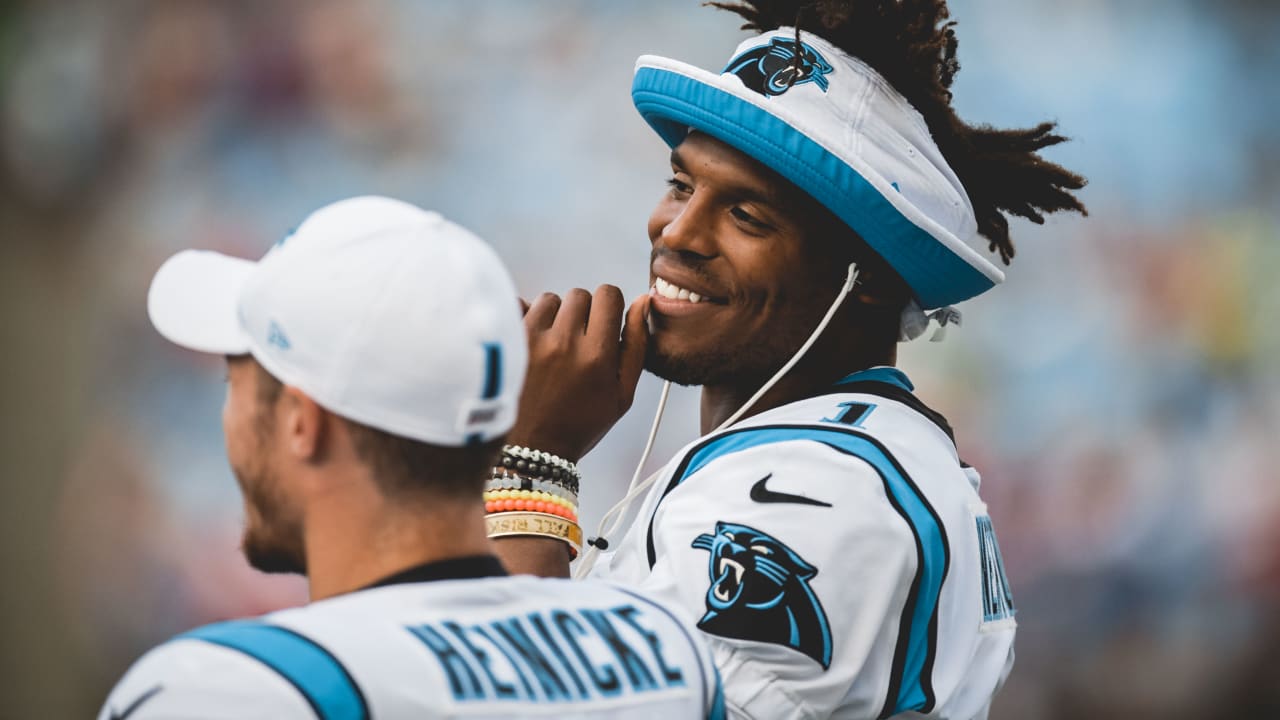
1119,392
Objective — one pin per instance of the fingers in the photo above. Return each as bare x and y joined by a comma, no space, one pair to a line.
605,321
635,336
542,313
583,368
572,318
592,322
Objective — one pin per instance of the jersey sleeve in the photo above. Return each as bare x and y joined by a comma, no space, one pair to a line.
186,679
813,569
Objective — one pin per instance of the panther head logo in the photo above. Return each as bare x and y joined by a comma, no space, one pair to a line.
760,591
772,69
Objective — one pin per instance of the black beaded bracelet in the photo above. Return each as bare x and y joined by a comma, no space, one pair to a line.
532,463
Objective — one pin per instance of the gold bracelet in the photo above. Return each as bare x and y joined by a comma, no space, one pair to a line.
507,524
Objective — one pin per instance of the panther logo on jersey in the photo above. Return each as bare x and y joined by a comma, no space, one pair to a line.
760,591
771,69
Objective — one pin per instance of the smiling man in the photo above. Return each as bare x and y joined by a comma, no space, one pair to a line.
823,206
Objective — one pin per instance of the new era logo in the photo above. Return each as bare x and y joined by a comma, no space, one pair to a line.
276,336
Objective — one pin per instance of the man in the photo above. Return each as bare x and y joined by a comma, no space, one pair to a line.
374,360
824,528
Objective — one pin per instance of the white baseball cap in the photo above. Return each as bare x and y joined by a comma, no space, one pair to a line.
383,313
844,136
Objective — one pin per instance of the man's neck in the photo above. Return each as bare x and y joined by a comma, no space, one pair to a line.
812,376
354,542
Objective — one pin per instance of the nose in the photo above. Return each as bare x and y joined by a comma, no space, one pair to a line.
689,229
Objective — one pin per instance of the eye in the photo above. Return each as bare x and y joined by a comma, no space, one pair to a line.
729,536
678,186
761,550
748,219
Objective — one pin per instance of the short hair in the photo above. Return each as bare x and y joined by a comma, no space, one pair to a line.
403,466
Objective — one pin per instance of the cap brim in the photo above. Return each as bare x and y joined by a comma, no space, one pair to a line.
673,97
193,301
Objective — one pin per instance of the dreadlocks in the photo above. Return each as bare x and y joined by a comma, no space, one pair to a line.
912,45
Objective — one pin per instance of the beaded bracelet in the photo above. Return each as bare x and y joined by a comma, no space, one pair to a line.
538,464
500,501
534,493
503,479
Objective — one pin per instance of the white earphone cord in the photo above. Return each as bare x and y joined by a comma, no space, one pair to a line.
635,489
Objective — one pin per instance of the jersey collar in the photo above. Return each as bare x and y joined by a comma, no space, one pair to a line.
463,568
892,383
880,373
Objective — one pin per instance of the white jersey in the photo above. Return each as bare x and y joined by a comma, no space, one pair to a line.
838,556
440,641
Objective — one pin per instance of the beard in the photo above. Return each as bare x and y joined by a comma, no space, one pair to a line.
272,538
710,368
747,364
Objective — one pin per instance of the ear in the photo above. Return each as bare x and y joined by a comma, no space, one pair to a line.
879,287
803,570
303,423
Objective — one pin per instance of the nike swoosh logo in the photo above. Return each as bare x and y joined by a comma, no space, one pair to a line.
133,706
762,494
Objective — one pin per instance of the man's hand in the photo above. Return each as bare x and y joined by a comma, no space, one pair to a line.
584,364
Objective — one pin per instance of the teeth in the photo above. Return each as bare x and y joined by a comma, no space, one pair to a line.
720,592
673,292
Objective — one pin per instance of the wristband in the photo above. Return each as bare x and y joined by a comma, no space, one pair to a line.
536,524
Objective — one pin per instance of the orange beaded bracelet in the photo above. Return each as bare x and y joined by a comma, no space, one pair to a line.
498,501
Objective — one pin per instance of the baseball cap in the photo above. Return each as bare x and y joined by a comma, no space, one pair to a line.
842,134
381,312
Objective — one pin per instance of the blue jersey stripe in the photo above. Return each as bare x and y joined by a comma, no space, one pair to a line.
492,370
912,676
718,711
313,670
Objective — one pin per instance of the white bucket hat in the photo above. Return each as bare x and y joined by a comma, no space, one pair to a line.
381,312
840,133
